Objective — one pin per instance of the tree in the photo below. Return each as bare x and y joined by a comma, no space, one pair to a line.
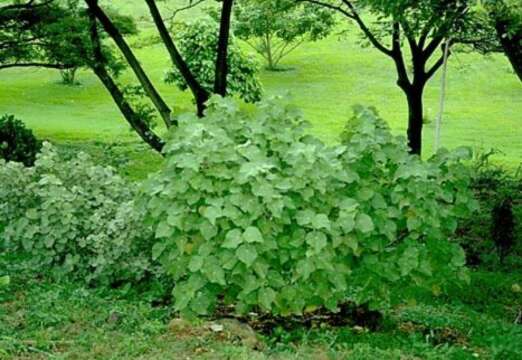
101,24
274,28
52,34
197,41
506,18
423,26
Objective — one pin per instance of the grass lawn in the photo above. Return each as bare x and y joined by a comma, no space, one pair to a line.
484,106
48,320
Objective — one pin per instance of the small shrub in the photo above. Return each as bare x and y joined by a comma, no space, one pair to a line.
75,218
497,228
251,211
17,143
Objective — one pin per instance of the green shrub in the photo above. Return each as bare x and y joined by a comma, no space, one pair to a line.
17,143
251,211
492,184
73,217
197,41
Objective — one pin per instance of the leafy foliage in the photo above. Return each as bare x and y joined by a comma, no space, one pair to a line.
55,34
73,217
492,185
250,209
197,42
274,28
17,143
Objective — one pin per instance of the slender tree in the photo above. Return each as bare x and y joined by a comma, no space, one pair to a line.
275,28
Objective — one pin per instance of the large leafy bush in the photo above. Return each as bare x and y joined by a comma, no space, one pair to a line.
73,217
197,41
17,143
251,210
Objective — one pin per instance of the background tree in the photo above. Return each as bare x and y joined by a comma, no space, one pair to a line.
274,28
506,18
53,34
197,41
421,25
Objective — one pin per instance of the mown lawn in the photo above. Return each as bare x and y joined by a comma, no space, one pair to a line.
484,107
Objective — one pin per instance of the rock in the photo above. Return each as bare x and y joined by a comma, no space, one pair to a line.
236,330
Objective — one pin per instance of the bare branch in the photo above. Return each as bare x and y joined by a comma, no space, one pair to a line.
37,64
373,39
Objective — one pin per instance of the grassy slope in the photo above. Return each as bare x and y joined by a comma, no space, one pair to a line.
483,110
44,320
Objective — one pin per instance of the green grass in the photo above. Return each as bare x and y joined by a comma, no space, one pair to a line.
40,319
484,106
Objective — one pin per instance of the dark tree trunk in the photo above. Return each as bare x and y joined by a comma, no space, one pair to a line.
415,119
511,44
98,67
200,94
130,115
135,65
220,84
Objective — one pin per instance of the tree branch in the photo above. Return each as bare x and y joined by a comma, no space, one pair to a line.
199,93
329,6
437,65
375,42
37,64
397,56
98,66
135,65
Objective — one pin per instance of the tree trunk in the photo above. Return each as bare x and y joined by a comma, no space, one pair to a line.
511,44
220,83
133,62
130,115
98,66
415,119
69,76
269,56
200,94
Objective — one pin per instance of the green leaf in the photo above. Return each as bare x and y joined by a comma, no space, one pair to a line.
5,280
304,217
213,271
321,221
364,223
317,240
304,268
196,263
212,213
266,296
247,254
163,230
32,214
252,235
232,239
157,250
409,260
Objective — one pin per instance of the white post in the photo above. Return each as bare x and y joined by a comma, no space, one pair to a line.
438,122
